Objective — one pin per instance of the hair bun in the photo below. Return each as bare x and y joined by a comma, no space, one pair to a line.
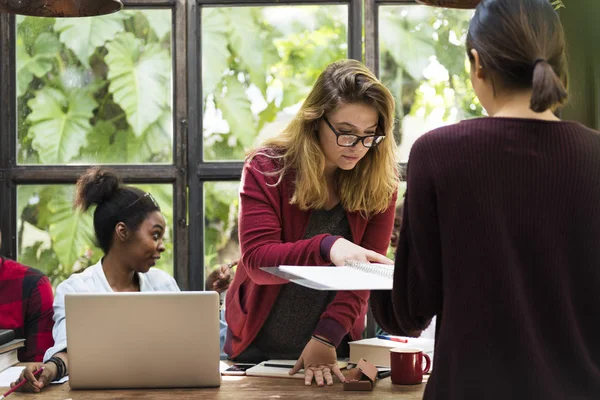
95,186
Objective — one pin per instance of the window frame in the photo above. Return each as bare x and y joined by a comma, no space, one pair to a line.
207,171
13,175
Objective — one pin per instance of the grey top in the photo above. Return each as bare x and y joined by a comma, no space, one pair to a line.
297,310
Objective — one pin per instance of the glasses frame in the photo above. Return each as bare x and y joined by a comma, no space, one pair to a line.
356,137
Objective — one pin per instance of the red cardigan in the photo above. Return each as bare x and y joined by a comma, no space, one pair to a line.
271,231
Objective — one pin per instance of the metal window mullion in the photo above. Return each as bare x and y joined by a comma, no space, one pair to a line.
372,36
60,174
355,30
194,143
8,148
180,227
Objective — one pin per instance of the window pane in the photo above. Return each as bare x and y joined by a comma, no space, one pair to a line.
59,241
221,205
95,90
423,62
258,64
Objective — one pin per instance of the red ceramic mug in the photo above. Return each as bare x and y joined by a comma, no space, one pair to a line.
407,366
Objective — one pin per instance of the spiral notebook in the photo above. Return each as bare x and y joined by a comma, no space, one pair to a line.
355,275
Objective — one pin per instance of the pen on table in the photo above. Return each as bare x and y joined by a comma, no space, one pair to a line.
393,339
278,365
18,385
384,374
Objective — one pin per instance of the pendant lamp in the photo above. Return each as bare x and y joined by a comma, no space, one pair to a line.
60,8
451,3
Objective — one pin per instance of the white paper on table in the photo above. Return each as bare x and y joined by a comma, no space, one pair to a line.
11,374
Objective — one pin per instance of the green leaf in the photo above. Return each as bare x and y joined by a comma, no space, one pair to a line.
159,20
215,55
267,115
235,106
411,50
84,35
101,146
246,41
38,63
59,124
139,79
155,144
71,231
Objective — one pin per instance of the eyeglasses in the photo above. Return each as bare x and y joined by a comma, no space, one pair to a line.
349,140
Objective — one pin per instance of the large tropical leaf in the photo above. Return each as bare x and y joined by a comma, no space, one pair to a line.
159,20
103,146
246,41
215,54
155,145
71,232
38,63
411,50
60,123
84,35
139,79
235,106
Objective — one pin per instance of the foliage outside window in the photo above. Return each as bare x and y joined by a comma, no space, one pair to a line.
258,65
94,91
424,64
58,241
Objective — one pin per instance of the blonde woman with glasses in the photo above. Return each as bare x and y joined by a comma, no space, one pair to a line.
320,193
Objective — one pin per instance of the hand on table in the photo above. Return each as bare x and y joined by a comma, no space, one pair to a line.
319,362
343,250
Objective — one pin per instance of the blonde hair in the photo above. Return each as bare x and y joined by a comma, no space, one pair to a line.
367,188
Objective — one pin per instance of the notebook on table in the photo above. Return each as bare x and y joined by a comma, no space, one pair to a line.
355,275
280,369
143,340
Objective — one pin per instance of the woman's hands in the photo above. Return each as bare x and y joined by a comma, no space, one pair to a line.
34,384
319,360
343,250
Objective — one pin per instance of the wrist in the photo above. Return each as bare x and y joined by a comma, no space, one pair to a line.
52,368
323,340
326,244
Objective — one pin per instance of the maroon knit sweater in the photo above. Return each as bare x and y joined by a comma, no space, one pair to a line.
501,240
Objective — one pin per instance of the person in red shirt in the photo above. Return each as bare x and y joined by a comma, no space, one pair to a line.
320,193
26,307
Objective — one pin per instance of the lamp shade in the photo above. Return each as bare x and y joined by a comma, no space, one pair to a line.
60,8
451,3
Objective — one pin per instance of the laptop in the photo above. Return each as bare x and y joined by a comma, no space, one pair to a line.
143,340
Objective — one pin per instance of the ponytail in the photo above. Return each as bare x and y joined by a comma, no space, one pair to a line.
548,90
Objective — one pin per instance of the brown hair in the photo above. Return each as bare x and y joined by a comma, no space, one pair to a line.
522,44
367,188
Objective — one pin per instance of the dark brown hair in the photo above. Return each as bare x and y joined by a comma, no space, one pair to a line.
115,203
522,45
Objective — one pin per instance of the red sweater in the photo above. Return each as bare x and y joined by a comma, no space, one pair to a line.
26,307
271,232
501,240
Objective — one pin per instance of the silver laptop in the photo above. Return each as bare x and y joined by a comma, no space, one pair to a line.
143,340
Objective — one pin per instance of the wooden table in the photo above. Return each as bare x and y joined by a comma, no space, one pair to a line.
234,387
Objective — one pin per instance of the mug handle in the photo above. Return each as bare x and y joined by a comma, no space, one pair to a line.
427,363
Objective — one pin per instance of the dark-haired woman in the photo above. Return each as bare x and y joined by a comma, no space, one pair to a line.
129,228
501,229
